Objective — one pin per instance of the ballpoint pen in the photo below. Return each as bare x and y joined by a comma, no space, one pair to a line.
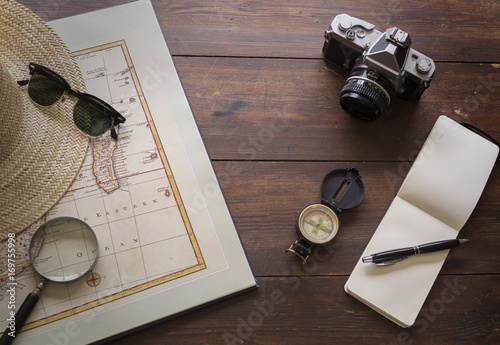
390,257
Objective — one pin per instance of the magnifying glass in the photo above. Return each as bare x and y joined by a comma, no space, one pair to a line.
62,250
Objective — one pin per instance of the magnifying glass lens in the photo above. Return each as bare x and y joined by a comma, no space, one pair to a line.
63,249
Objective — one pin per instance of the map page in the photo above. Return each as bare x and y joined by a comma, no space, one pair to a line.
127,193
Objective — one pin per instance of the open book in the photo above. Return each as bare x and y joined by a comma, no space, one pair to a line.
437,197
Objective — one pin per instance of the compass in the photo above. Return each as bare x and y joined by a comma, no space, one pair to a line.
318,224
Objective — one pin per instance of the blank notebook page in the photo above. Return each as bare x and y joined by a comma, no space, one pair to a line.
450,172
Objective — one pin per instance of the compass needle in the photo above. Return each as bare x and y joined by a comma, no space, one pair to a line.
325,229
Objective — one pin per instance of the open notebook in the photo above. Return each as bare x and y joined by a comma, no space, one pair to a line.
436,199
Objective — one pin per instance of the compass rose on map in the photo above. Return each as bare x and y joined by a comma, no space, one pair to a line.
93,279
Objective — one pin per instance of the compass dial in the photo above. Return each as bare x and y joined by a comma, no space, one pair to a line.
318,223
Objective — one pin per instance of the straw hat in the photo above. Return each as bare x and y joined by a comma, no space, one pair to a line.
41,149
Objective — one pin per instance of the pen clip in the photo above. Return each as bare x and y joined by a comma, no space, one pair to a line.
390,262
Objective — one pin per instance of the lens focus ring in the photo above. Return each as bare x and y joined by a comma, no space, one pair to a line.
364,96
363,99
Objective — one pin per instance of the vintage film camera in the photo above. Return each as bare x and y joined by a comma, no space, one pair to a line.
382,65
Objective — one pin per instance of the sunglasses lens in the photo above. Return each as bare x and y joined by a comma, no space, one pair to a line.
91,115
45,88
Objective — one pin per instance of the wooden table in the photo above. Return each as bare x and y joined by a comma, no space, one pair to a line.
267,108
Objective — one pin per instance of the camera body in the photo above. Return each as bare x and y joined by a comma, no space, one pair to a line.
382,65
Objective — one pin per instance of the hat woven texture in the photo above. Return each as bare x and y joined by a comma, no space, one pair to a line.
41,149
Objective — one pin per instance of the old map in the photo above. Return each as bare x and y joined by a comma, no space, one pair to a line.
127,193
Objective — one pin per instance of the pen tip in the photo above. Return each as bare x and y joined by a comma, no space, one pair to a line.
463,240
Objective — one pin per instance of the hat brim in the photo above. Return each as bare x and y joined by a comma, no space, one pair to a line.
51,150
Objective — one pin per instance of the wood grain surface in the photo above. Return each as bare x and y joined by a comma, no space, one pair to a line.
267,108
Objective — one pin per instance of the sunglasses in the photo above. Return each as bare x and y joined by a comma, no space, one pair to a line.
92,115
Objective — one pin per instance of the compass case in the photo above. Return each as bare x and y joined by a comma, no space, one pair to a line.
342,189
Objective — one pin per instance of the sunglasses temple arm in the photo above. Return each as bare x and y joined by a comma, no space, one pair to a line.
23,82
116,121
114,134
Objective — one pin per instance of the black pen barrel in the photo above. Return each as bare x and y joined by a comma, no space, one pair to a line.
402,253
393,254
421,249
437,246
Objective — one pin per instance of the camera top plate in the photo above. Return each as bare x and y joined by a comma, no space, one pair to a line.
346,22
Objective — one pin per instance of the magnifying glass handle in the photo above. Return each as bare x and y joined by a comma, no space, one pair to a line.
22,314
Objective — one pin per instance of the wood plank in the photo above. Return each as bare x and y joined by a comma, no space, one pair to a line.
445,30
294,310
265,199
295,29
272,109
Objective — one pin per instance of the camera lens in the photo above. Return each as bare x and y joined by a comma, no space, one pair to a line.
366,93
